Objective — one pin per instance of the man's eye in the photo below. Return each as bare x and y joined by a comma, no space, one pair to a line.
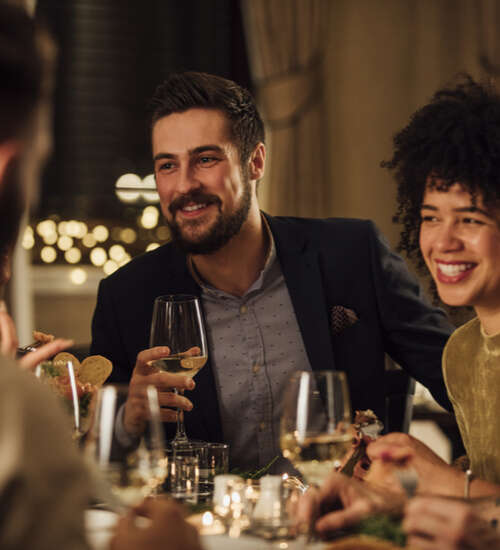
472,221
166,166
207,160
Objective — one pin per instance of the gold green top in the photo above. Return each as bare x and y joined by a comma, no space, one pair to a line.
471,367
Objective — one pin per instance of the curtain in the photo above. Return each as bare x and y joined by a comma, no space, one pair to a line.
286,45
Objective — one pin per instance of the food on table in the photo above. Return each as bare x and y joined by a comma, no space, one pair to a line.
42,338
88,377
367,428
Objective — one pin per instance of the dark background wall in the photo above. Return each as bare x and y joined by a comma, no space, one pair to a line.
112,55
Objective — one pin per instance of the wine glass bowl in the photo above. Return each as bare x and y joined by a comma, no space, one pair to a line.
178,324
316,429
134,466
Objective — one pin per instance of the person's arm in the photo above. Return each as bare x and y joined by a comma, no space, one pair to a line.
443,524
415,331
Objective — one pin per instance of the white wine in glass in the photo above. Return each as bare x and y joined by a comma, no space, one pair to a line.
316,430
178,324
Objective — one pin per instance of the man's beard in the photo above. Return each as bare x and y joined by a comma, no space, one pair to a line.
226,226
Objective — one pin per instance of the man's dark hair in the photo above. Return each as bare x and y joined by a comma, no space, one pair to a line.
183,91
454,138
21,70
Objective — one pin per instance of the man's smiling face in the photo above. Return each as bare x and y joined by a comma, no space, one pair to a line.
204,191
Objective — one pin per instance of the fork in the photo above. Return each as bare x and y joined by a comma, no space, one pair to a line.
408,478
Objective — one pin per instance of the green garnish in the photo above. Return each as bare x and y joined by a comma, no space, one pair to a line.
257,474
50,369
381,526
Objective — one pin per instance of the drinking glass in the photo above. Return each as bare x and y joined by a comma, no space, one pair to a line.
77,398
134,466
316,430
178,324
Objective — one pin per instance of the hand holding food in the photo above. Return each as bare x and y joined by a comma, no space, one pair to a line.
145,374
342,502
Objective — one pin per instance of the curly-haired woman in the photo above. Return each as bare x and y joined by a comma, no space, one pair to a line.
447,165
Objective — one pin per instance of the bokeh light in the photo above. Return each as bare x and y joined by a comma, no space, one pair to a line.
101,233
48,254
78,276
109,267
98,256
64,242
149,218
28,241
89,240
117,252
152,246
73,255
128,235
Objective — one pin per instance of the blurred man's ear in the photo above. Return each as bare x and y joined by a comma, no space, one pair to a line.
8,150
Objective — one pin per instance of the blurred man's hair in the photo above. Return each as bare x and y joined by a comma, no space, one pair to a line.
25,52
454,138
21,70
183,91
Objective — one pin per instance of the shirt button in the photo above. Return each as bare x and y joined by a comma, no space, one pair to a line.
243,309
262,426
256,369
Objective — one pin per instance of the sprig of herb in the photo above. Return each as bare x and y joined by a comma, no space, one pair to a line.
257,474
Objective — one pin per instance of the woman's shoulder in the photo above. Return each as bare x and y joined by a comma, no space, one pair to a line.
463,343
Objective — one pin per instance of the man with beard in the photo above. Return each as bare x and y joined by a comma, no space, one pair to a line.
278,294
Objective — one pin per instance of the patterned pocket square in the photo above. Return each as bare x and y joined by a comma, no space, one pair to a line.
342,318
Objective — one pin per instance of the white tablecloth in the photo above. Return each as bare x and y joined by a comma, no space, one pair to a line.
99,525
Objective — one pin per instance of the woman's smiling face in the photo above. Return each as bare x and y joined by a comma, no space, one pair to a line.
460,243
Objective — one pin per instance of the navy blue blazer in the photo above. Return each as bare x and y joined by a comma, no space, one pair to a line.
325,263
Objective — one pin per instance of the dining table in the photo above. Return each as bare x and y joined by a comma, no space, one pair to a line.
99,525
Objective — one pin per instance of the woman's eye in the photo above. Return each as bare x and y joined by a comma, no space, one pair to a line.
428,218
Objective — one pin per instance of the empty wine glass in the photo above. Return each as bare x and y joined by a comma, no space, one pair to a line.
178,324
316,430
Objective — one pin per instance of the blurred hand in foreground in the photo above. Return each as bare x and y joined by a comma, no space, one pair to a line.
144,374
9,343
442,524
342,501
400,450
167,528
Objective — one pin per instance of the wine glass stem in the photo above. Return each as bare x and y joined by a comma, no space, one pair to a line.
180,435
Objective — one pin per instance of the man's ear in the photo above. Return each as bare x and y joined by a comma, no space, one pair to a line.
8,150
257,162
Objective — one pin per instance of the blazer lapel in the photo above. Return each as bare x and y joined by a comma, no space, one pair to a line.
300,266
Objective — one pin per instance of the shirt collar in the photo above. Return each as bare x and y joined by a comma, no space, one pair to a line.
261,279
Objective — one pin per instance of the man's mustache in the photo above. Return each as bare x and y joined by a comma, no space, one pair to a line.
196,197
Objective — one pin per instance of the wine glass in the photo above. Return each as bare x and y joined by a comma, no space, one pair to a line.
133,466
316,430
178,324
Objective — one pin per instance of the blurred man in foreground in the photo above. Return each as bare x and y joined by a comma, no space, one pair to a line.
44,487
